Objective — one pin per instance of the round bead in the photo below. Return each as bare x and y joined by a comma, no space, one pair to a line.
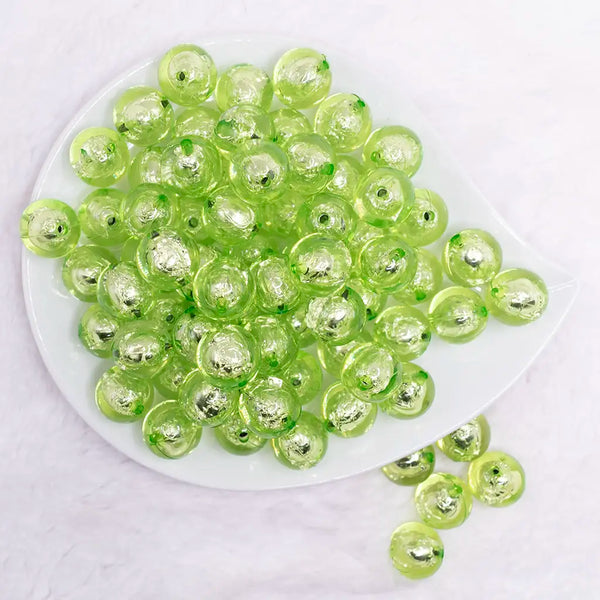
496,479
145,167
199,121
404,329
191,220
362,234
100,217
348,172
97,330
241,124
148,207
122,396
188,331
288,122
443,501
297,320
255,250
304,446
235,437
49,228
517,297
171,376
187,75
332,357
167,308
311,162
305,376
427,220
280,216
143,116
140,346
276,344
244,84
394,146
346,415
168,431
82,269
123,292
457,314
416,550
373,301
321,264
229,219
411,469
276,288
426,282
413,396
301,77
468,441
327,214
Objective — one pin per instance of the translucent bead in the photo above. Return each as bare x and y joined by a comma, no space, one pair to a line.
82,269
258,171
411,469
496,479
346,415
332,357
123,292
100,217
276,344
404,329
235,437
191,219
327,214
143,115
168,431
394,146
199,121
384,197
140,346
373,301
348,172
311,162
145,167
517,297
167,308
362,234
99,156
270,407
129,248
187,75
457,314
321,264
305,376
122,396
304,446
288,122
241,124
301,77
416,550
188,331
387,263
147,208
173,373
427,280
276,288
97,330
253,251
49,228
229,219
371,372
468,441
244,84
297,320
427,220
443,501
413,396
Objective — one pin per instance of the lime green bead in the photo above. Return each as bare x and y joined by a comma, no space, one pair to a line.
242,124
288,122
122,396
123,292
311,162
253,251
187,75
140,346
191,219
327,214
129,249
276,288
414,395
443,501
304,446
235,437
305,376
416,550
168,431
97,330
344,414
517,297
457,314
301,77
280,216
244,84
404,329
347,174
145,167
188,331
296,317
100,217
143,116
496,479
228,218
49,228
394,146
362,234
169,379
82,269
149,207
427,220
426,282
468,441
167,308
412,469
373,301
332,357
275,343
99,156
199,121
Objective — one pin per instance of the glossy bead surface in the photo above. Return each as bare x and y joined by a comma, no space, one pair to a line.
123,292
373,301
122,396
288,122
229,219
235,437
347,174
496,479
404,329
305,376
167,308
188,331
276,344
457,314
199,121
427,220
296,317
82,269
327,214
280,216
426,282
413,396
244,84
255,250
416,550
145,167
97,330
411,469
140,346
344,414
394,146
468,441
277,290
304,446
147,208
362,234
311,161
242,124
100,217
49,228
172,374
332,357
191,220
443,501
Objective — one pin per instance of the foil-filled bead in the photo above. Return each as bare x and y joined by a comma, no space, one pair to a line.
100,217
235,437
277,290
344,414
82,269
394,146
426,282
123,396
145,167
149,207
414,395
305,376
244,84
348,171
405,330
169,379
327,214
416,550
242,124
496,479
332,357
188,331
97,330
427,220
140,346
468,441
373,301
275,343
311,161
411,469
288,122
443,501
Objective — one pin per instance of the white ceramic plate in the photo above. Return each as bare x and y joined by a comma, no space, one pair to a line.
467,377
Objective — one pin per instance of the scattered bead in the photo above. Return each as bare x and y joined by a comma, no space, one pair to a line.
344,414
412,469
414,395
244,84
303,446
348,171
140,346
468,441
148,207
277,290
416,550
394,146
199,121
230,219
443,501
145,167
100,217
496,479
188,331
169,379
404,330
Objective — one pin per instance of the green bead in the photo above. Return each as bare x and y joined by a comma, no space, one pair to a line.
100,217
187,75
244,84
122,396
427,220
321,264
332,357
242,124
199,121
362,234
384,197
228,218
427,280
188,331
468,441
416,550
348,172
297,320
143,116
148,207
280,216
311,161
129,249
140,346
253,251
171,376
269,407
235,437
404,329
97,330
346,415
301,77
411,469
276,288
413,396
373,301
305,376
167,308
517,297
371,372
496,479
288,122
327,214
387,263
82,269
457,315
123,292
168,431
443,501
304,446
344,120
191,219
145,167
228,356
394,146
49,228
276,344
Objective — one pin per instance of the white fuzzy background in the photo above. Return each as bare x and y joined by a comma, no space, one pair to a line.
514,90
